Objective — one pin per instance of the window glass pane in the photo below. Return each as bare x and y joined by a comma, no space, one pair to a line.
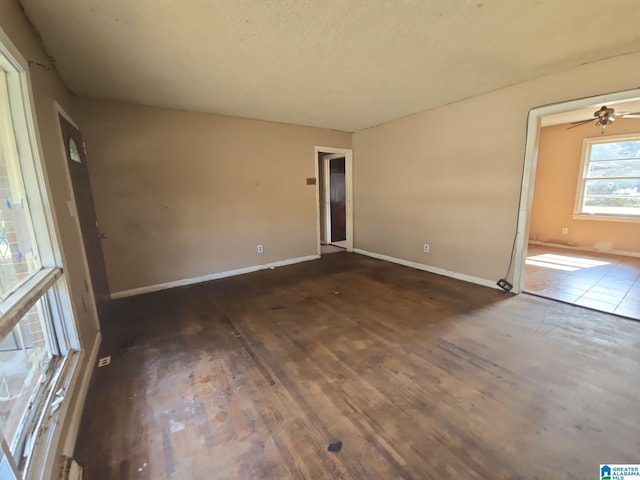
610,206
612,197
74,154
615,150
614,168
18,252
25,355
619,188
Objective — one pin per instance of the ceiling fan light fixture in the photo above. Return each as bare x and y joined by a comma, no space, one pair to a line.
603,117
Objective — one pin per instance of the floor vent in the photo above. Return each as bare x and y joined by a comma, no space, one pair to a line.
69,469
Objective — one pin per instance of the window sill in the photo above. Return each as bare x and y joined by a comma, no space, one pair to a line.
607,218
42,460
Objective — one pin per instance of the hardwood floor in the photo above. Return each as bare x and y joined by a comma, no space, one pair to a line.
330,248
420,376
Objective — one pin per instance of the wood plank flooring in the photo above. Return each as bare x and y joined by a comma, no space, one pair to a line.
420,376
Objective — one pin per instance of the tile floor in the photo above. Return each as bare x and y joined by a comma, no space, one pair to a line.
610,283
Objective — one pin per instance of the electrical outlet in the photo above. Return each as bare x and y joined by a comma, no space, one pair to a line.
104,361
426,248
565,231
260,249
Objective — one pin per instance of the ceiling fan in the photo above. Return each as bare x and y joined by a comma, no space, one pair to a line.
604,116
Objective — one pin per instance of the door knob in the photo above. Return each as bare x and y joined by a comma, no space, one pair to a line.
102,235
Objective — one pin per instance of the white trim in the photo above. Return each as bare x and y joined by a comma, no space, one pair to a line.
585,161
78,408
333,156
8,49
326,187
63,317
42,460
428,268
18,304
348,174
29,147
211,276
604,218
624,253
577,202
316,167
58,110
529,170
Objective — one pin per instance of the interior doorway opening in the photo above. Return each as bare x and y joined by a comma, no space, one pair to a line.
334,187
579,221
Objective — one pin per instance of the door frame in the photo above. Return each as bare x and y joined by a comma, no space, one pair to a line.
326,187
347,153
72,210
529,169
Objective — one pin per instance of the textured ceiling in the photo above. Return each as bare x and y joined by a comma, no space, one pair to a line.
342,64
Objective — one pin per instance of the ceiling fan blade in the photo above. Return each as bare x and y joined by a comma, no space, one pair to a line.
577,124
631,115
584,121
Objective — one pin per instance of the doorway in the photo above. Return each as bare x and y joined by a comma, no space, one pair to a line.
573,244
335,227
82,207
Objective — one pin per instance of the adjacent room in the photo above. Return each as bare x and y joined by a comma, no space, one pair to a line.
584,238
291,239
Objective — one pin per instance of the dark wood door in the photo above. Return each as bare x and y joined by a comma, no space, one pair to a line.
91,236
337,190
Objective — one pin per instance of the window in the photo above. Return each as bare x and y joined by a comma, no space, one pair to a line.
27,356
37,338
609,186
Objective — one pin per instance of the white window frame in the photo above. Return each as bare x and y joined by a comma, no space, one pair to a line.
578,214
44,422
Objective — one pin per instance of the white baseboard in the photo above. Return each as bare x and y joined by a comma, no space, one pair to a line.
212,276
623,253
78,408
428,268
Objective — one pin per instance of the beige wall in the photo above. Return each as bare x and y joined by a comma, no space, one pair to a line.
558,168
451,176
183,195
48,88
